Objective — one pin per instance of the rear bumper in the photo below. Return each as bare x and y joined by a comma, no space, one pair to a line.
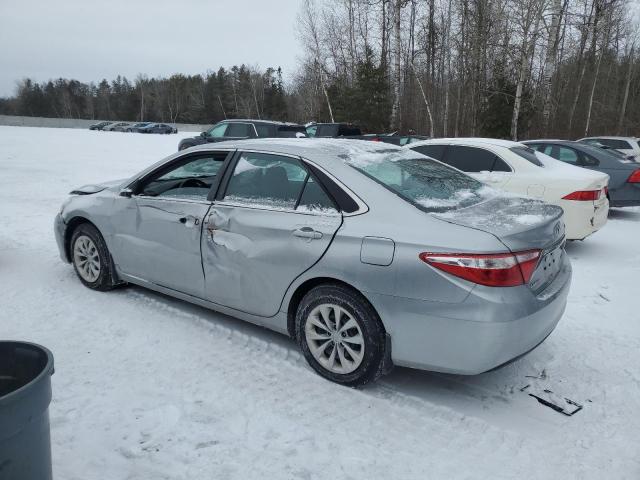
490,328
583,218
628,195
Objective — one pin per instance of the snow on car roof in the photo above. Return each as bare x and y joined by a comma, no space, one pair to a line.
322,150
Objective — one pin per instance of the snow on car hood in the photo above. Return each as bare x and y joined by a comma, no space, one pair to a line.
520,223
96,187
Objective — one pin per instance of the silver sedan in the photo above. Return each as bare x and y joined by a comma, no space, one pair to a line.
368,255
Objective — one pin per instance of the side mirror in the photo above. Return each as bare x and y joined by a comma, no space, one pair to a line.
203,134
126,192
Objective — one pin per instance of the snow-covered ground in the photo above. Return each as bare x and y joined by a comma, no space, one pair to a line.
147,387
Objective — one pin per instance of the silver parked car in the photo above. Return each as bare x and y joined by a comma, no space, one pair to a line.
367,254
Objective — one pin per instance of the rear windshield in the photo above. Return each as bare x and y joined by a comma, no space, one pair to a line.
425,183
528,154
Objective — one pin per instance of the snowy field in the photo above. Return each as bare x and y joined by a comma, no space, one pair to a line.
147,387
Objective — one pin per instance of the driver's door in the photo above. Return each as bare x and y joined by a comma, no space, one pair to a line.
158,229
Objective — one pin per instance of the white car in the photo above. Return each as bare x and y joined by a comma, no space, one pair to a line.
627,145
517,168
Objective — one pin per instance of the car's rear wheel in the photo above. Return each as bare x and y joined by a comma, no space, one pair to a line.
341,335
90,258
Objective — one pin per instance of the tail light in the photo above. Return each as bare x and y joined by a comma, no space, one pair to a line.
493,270
634,177
606,191
584,195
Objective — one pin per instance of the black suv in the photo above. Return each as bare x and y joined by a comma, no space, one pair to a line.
333,130
241,129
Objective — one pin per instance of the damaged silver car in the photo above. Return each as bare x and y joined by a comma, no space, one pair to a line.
368,255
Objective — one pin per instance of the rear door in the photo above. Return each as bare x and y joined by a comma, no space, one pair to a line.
272,221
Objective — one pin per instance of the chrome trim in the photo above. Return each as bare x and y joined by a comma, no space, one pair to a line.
265,208
166,199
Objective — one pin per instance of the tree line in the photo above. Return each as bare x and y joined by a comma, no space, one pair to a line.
499,68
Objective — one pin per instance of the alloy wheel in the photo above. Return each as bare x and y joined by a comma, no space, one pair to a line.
86,258
334,338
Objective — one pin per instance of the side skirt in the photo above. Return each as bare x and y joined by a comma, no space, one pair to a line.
277,323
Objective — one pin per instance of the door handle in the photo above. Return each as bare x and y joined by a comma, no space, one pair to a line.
189,221
307,232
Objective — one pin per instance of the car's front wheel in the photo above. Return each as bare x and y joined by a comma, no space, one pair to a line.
90,258
341,335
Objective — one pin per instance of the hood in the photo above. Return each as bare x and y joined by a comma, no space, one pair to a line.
96,187
519,223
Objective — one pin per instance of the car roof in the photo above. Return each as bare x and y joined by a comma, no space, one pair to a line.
611,137
267,122
468,141
324,151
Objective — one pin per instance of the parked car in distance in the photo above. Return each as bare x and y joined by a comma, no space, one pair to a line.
239,129
99,125
332,130
400,140
158,128
347,246
626,145
624,176
137,126
518,169
116,127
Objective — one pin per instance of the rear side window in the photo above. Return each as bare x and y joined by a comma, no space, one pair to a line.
291,131
433,151
314,199
265,131
470,159
264,180
239,130
528,154
615,143
567,155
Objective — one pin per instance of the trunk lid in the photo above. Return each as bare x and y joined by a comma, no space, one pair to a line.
519,223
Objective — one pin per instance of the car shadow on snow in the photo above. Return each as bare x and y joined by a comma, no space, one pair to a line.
485,395
632,214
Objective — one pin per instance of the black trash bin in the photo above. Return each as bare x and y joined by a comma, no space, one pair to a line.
25,394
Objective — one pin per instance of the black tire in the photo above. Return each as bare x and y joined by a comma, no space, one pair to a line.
369,322
104,280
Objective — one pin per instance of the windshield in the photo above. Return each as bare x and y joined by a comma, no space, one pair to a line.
425,183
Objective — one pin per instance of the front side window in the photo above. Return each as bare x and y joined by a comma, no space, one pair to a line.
189,181
264,180
425,183
470,159
312,130
217,131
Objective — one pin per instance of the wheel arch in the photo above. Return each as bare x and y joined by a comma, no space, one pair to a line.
305,287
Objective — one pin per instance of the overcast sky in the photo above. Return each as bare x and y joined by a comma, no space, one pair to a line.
90,40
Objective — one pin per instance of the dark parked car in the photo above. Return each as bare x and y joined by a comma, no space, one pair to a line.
243,129
333,130
158,128
137,126
624,181
99,126
400,140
